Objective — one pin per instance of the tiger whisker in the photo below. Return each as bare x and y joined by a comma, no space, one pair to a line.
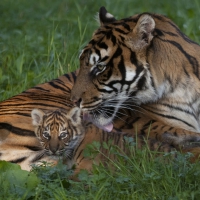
110,105
117,112
117,116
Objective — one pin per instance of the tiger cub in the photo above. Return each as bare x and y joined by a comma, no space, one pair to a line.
62,133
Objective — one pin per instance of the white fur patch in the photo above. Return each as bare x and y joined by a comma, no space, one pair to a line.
108,88
104,52
108,15
117,86
125,87
130,73
93,58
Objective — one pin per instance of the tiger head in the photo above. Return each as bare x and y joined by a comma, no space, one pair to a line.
129,60
59,131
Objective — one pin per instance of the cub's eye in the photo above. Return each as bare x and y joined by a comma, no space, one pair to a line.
46,135
63,135
101,67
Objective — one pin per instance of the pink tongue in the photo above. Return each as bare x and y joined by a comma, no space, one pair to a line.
108,127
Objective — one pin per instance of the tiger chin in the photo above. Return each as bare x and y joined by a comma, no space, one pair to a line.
143,61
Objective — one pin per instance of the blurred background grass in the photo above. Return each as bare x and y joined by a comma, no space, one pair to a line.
41,40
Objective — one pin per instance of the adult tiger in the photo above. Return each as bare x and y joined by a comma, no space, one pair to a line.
18,143
144,60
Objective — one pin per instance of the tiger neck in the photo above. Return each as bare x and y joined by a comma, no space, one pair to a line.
177,107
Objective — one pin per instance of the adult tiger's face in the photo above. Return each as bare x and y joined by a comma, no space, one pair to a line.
58,131
113,68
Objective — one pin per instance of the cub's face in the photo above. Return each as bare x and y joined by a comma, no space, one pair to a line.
112,68
59,131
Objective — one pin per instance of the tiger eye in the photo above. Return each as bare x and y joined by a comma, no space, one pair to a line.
101,67
63,135
46,135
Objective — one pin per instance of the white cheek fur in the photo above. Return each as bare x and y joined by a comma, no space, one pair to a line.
130,74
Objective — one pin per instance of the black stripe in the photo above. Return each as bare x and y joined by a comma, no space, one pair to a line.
66,88
104,58
33,148
56,86
122,23
126,26
113,39
117,53
170,129
40,88
177,108
132,122
170,33
102,45
120,31
188,40
155,127
192,60
122,69
19,160
38,157
147,125
16,130
171,117
141,83
74,76
48,100
92,42
79,154
157,32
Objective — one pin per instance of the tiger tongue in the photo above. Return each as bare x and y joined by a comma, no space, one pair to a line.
107,127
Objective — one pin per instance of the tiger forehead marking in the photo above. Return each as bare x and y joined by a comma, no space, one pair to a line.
143,59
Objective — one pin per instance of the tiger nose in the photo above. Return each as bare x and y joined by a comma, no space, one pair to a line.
77,102
54,150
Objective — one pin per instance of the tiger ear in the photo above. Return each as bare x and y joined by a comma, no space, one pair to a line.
75,115
143,32
37,116
105,17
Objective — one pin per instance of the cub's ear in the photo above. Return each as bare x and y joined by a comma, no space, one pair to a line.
37,116
142,33
75,115
105,17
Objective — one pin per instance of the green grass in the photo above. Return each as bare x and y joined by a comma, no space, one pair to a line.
141,175
41,40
